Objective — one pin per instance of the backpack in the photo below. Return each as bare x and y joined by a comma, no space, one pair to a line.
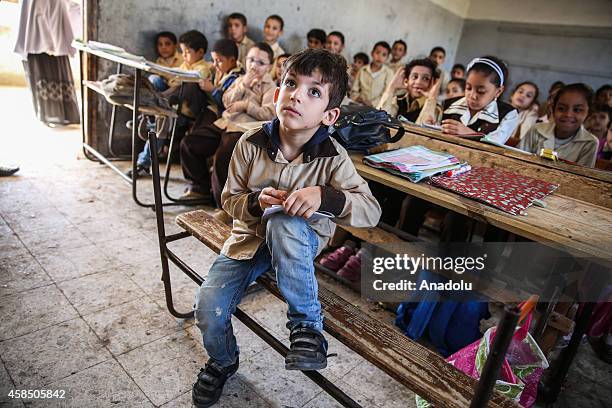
360,128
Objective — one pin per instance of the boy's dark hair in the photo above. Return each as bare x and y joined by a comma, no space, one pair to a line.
194,39
401,42
332,67
602,89
424,62
383,44
277,18
267,49
458,81
537,90
490,72
165,34
226,47
337,34
317,34
438,48
580,88
556,84
363,57
238,16
458,66
600,107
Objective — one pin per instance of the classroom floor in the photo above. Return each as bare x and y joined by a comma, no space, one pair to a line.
82,308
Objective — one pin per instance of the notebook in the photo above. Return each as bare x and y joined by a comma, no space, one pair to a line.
278,208
509,192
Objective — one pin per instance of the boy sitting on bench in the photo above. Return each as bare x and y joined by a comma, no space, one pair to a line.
293,162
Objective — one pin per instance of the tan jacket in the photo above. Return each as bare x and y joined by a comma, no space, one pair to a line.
260,106
174,61
257,163
370,86
581,150
427,108
202,66
243,49
277,49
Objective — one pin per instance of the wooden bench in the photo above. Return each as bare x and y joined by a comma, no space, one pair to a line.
411,364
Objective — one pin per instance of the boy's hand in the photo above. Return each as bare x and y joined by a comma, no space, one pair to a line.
206,85
303,202
270,196
454,127
238,106
434,91
398,79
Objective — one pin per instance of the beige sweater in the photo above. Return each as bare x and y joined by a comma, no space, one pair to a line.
371,86
257,164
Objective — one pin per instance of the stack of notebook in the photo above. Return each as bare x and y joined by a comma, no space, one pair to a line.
414,163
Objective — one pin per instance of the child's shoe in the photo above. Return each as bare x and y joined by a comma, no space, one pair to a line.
336,259
308,350
208,388
352,268
141,171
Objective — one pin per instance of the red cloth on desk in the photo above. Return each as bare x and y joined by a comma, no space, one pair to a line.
501,189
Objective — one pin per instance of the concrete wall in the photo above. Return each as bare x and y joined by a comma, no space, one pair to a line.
422,24
542,53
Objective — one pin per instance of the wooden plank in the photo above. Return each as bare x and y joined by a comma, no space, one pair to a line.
411,364
595,174
372,235
567,224
586,188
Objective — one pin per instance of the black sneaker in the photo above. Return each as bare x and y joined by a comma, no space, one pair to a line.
208,388
141,171
6,171
308,350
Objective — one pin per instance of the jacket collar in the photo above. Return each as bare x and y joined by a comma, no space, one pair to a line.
319,145
547,131
489,114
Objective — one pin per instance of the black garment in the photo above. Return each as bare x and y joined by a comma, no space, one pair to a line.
221,160
481,126
50,81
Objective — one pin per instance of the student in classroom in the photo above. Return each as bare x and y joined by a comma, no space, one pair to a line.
455,88
167,55
604,95
237,31
272,31
565,134
316,39
277,70
249,99
458,71
546,110
598,122
360,60
480,112
418,103
373,79
335,42
322,177
399,49
438,55
193,46
525,99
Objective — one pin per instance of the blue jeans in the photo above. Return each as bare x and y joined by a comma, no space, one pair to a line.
289,250
144,157
158,82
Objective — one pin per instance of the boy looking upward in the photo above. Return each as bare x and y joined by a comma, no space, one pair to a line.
292,162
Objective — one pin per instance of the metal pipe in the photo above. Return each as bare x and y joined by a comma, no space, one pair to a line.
495,359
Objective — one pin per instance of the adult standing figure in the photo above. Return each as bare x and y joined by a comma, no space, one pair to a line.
43,41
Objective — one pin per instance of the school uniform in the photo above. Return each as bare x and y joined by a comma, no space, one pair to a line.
580,148
277,49
498,120
394,66
243,49
414,109
527,119
369,85
173,61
